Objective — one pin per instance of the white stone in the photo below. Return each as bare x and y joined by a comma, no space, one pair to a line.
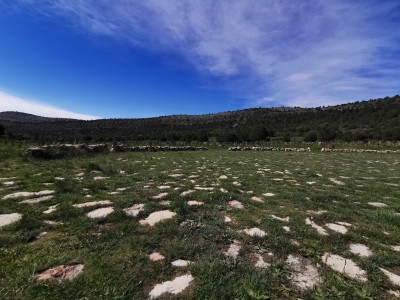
233,251
255,232
360,250
377,204
305,276
155,256
157,216
134,210
345,266
28,194
287,219
7,219
51,209
92,203
37,200
319,229
194,203
181,263
236,204
100,212
395,279
174,287
336,227
160,196
257,199
269,194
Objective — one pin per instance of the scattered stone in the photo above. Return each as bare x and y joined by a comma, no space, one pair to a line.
287,219
7,219
28,194
394,278
51,209
255,232
92,203
62,272
203,188
360,250
185,193
100,212
53,223
174,287
223,177
160,196
37,200
165,203
337,227
394,293
134,210
155,256
194,203
395,248
269,194
236,183
100,178
305,276
222,190
157,216
164,187
257,199
377,204
181,263
8,183
227,219
236,204
260,263
320,229
317,212
345,266
233,250
286,228
335,181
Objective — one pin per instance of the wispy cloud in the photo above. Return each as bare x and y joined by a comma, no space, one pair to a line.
305,53
10,102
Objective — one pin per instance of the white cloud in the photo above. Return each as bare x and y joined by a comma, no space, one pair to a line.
305,53
13,103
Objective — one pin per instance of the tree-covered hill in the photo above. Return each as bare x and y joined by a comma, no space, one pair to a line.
365,120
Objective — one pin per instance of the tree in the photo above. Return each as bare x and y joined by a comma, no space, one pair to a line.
1,130
310,137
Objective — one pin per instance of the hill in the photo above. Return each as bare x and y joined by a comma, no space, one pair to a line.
377,119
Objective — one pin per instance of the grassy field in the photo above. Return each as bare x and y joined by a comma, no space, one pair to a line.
282,194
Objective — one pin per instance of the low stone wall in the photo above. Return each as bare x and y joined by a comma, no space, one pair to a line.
358,150
123,148
65,150
269,149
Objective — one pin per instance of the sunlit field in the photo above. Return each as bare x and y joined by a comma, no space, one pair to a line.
201,225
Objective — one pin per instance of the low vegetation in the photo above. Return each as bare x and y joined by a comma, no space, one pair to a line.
214,224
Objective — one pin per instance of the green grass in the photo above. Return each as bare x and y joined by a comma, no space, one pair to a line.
114,250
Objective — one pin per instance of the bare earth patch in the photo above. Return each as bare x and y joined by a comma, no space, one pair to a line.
345,266
7,219
305,276
157,216
174,287
100,212
360,250
61,272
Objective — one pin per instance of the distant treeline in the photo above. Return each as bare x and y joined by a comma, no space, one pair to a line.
359,121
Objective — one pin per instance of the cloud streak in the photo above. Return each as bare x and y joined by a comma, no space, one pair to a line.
298,53
10,102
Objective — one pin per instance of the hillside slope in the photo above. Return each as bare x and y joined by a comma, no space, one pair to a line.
374,119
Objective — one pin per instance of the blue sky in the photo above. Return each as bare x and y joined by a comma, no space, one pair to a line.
132,58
